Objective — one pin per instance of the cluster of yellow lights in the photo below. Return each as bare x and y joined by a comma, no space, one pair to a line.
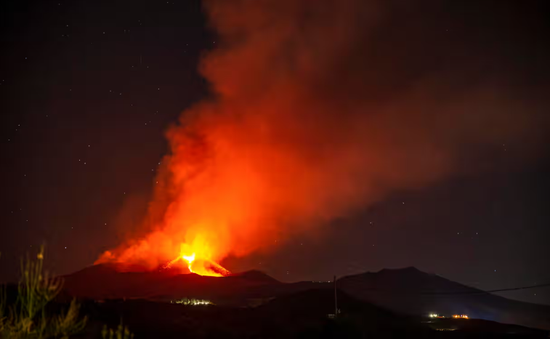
460,316
456,316
191,302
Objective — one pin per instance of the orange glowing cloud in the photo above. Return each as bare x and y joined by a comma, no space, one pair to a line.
302,127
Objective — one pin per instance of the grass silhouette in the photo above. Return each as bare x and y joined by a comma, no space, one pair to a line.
29,317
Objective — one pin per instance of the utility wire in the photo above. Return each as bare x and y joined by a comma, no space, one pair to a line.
519,288
472,290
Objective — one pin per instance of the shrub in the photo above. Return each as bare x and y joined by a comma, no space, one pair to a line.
122,332
27,318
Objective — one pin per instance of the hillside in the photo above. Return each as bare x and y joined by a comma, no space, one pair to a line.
414,292
403,291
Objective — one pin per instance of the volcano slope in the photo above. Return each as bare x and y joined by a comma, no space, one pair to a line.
106,281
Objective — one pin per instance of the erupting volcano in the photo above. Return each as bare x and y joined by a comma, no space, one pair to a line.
195,257
306,123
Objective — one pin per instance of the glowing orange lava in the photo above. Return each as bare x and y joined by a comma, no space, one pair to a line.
189,259
198,258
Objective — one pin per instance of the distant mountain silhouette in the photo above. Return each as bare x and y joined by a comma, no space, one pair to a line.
411,291
405,291
257,276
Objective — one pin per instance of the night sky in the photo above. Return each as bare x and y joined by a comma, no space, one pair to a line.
88,89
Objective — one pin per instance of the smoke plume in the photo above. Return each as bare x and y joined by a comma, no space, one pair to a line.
318,109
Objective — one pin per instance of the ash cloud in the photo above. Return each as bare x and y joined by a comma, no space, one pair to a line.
320,108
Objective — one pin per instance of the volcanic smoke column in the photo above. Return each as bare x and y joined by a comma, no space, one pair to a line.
305,123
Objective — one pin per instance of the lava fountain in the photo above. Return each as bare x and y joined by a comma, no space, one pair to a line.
189,259
197,258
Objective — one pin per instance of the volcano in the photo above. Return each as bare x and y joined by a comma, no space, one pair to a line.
108,281
407,291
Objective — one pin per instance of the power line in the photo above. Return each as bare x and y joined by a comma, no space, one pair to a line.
472,291
520,288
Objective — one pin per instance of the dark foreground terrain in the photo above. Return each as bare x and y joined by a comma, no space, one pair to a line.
303,314
385,304
300,315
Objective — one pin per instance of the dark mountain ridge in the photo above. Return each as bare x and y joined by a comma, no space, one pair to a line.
406,291
411,291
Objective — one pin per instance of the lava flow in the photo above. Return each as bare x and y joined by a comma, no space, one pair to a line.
189,259
199,264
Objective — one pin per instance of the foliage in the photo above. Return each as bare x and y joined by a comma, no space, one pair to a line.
28,318
122,332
